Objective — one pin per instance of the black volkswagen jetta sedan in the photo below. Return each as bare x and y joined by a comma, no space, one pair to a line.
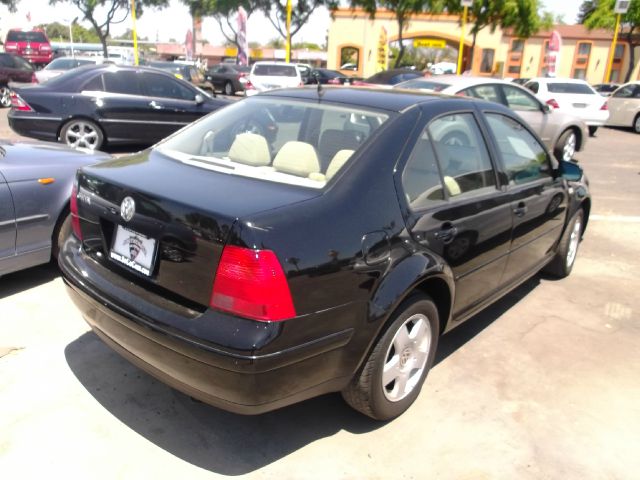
91,106
255,267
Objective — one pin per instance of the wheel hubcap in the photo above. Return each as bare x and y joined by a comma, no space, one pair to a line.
406,358
81,135
574,240
569,148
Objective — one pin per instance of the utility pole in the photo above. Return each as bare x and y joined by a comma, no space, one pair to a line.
465,4
621,7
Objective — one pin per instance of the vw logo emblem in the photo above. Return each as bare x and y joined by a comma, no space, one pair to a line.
127,208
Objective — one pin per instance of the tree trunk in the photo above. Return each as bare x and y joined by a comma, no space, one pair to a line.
401,45
101,36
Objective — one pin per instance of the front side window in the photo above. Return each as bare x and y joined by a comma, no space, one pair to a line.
276,140
484,92
519,99
165,87
625,92
524,158
533,86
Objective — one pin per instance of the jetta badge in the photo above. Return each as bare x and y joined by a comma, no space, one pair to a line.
127,208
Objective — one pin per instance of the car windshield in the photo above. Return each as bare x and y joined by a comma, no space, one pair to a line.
275,70
15,36
276,140
423,85
579,88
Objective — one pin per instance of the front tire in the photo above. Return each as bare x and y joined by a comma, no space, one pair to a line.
565,257
228,89
566,146
393,374
636,124
81,133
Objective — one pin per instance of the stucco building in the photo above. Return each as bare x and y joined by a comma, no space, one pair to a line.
353,35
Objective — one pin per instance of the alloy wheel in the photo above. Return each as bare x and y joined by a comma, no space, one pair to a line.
574,241
406,358
5,97
569,147
81,134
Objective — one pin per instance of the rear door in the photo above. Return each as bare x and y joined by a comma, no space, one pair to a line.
530,109
538,199
624,104
7,221
457,209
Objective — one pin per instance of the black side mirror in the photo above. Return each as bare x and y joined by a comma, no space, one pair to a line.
570,170
199,99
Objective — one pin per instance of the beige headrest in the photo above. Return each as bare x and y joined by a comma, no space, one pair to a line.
297,158
250,149
452,186
337,162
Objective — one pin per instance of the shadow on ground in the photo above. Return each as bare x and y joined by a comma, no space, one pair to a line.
222,442
16,282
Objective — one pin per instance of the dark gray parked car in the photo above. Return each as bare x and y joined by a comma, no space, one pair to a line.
35,186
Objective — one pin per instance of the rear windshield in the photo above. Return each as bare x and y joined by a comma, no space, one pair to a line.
570,88
275,70
276,140
14,36
423,85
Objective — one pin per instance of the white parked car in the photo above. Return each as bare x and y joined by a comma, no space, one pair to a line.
572,96
269,75
624,106
61,64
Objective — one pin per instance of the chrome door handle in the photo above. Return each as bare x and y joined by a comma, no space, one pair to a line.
155,105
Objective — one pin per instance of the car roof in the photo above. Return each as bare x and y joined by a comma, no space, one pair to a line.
261,62
557,80
465,81
365,97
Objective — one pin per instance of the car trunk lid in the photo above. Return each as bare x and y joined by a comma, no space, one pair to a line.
182,217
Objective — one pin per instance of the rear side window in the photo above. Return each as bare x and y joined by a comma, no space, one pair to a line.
125,82
578,88
275,70
450,160
94,85
484,92
628,91
523,157
533,86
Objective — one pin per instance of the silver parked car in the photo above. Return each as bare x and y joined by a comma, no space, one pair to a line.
624,106
562,133
35,186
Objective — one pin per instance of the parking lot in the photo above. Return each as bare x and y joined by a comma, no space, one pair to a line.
542,385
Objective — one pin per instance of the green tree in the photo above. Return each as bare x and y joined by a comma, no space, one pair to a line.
60,31
523,16
276,43
10,4
602,16
101,14
586,8
276,12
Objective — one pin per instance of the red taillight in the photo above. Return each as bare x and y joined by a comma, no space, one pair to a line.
73,206
17,103
604,106
248,85
552,103
251,283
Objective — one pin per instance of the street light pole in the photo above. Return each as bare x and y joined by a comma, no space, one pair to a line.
288,45
612,53
71,37
135,34
465,4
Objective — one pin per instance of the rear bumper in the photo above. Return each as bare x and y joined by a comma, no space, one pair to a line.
596,119
247,382
34,125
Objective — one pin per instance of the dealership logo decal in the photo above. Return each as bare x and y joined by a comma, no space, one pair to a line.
127,208
135,247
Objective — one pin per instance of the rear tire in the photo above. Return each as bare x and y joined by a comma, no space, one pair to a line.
393,374
565,257
60,234
5,96
566,146
592,131
228,89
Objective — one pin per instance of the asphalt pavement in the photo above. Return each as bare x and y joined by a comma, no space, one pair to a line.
542,385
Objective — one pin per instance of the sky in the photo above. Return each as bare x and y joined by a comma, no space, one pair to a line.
174,21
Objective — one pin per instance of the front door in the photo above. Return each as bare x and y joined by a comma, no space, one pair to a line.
531,110
623,105
538,199
457,210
